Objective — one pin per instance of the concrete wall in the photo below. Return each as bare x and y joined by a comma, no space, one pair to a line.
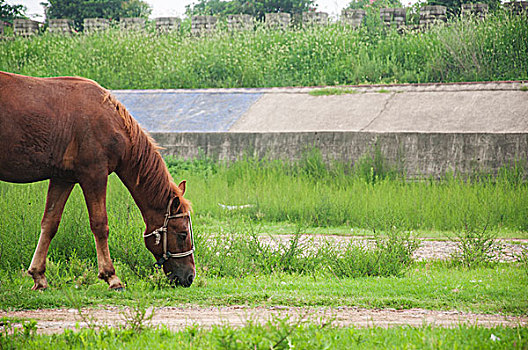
60,26
421,154
25,27
427,129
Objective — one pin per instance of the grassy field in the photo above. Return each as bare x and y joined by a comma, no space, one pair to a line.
370,198
235,268
466,50
434,286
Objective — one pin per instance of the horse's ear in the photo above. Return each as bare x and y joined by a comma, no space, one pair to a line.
182,186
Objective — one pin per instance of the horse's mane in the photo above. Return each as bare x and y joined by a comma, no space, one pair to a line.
144,154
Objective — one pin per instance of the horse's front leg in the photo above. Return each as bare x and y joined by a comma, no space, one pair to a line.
95,196
58,193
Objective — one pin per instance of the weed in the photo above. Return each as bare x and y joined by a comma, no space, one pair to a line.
522,259
157,280
476,246
374,167
390,255
138,316
80,273
15,333
89,320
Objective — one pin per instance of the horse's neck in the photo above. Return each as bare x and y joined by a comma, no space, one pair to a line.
141,191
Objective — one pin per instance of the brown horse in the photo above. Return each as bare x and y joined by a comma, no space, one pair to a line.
70,130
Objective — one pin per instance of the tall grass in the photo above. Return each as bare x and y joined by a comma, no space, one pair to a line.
465,50
369,195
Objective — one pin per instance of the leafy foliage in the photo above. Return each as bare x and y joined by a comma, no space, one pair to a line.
78,10
256,8
10,12
376,4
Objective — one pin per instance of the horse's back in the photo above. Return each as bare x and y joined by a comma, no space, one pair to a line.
48,124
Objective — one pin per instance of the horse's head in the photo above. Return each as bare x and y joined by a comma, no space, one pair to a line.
172,244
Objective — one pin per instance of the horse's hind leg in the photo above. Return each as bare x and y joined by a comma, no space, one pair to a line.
95,196
58,193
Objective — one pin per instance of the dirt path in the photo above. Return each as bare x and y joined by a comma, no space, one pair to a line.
177,318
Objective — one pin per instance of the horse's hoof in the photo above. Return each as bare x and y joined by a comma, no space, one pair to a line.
115,283
39,287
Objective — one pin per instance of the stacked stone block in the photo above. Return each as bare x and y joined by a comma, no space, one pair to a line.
167,24
518,7
315,18
60,26
478,10
132,23
393,17
277,20
25,27
430,15
240,22
95,24
203,24
352,17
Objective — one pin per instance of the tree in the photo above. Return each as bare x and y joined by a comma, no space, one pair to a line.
9,12
256,8
377,4
135,8
78,10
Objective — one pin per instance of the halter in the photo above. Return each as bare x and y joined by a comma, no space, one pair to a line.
163,231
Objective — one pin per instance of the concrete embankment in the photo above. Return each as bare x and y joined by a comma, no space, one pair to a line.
427,129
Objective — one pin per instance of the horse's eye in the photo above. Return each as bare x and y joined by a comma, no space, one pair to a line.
182,235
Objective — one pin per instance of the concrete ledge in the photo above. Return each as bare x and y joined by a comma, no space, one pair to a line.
499,107
427,129
420,154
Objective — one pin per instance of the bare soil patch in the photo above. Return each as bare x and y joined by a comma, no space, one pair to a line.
177,318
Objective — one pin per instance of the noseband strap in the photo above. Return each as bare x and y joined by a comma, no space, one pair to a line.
161,232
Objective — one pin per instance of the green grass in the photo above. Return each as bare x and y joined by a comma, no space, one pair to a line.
278,334
333,91
466,50
307,196
436,286
368,195
342,91
234,268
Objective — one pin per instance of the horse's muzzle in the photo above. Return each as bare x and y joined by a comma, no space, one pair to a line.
184,281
